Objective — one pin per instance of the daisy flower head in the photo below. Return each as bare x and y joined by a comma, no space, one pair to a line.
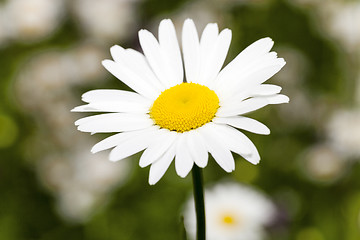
233,212
183,116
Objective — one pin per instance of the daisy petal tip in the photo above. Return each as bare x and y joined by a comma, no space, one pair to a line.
153,181
267,40
226,31
80,127
256,161
112,158
282,61
213,25
143,32
266,131
188,20
184,174
285,99
142,164
74,109
116,47
106,63
202,165
94,149
166,21
227,169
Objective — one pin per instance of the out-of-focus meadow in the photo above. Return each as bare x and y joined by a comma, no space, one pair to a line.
52,187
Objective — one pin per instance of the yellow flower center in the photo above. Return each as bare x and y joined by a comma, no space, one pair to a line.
184,107
230,220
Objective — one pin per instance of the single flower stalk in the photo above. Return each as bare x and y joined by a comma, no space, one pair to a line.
170,117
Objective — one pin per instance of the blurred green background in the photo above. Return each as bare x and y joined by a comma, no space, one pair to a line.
52,188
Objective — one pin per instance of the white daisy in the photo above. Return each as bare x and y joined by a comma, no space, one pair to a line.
233,212
168,117
343,132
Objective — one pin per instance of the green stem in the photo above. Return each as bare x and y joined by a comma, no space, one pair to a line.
199,202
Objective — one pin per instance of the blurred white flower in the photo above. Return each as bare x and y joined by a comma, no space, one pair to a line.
343,132
322,163
31,20
106,20
47,78
297,67
81,181
82,63
344,23
41,81
75,204
299,112
233,212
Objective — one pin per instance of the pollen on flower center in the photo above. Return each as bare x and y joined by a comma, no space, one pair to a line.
184,107
229,220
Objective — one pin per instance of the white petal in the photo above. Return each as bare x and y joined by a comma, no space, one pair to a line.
249,105
254,157
191,51
131,79
129,107
119,138
278,99
243,107
215,58
107,95
152,52
262,73
171,51
166,69
183,160
109,100
236,141
86,108
114,122
158,168
136,61
197,148
132,144
243,81
231,138
216,148
245,123
265,89
207,45
255,50
160,144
